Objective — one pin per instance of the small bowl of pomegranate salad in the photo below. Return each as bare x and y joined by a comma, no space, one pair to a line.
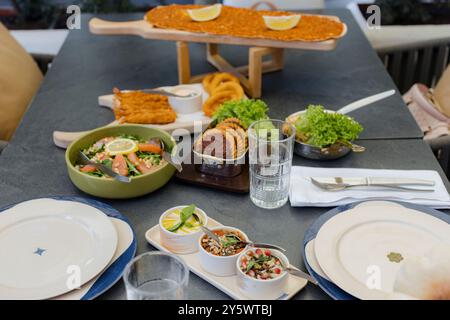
262,273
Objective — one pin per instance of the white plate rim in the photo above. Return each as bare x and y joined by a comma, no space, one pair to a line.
107,241
326,244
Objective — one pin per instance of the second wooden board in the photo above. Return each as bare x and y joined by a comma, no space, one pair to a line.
185,124
146,30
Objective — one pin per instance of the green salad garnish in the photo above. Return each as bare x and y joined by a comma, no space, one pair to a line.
186,213
322,129
230,239
246,110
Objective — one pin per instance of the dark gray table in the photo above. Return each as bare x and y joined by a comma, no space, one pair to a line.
31,166
91,65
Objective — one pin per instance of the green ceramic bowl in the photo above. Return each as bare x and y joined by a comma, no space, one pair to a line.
110,188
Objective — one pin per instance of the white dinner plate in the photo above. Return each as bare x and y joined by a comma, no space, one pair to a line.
48,245
362,250
312,260
125,239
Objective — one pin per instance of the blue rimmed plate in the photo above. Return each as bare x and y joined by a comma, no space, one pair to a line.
114,270
329,287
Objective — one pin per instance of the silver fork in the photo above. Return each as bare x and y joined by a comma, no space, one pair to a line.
343,186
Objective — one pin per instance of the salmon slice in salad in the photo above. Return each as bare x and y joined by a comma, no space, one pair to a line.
88,168
119,165
149,147
139,163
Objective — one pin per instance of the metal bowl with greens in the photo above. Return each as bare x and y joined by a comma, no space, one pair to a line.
323,134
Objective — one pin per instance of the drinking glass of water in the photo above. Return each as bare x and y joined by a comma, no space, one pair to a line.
156,276
271,145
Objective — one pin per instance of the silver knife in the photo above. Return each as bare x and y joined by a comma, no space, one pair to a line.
374,181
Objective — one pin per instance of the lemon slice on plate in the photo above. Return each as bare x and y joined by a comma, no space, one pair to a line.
121,146
205,14
281,22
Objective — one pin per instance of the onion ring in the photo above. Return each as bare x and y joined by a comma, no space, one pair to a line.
215,101
229,86
221,78
207,81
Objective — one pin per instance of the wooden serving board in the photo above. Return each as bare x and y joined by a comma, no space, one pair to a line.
187,122
146,30
183,121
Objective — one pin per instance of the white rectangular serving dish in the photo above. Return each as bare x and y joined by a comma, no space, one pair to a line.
226,284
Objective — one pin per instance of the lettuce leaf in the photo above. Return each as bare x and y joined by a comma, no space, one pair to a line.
246,110
322,129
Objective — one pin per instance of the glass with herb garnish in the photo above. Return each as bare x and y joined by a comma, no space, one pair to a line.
180,228
220,258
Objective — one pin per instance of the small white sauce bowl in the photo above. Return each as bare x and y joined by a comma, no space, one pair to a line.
181,243
262,289
221,266
186,105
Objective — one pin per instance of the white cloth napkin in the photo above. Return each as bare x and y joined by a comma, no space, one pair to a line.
304,194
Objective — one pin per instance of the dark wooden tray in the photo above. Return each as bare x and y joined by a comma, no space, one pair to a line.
237,184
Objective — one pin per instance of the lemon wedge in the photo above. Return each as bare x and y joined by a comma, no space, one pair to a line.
281,22
205,14
169,223
121,146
